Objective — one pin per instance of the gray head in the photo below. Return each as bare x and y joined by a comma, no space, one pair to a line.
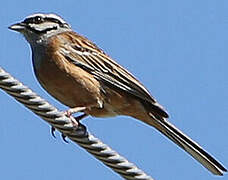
38,26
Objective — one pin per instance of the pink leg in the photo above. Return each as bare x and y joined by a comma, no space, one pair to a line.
71,111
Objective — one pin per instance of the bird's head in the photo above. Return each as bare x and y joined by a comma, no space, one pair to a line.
37,26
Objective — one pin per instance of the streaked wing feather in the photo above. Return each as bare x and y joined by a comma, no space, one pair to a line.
89,57
107,71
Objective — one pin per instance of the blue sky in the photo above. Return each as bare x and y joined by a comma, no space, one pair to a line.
177,49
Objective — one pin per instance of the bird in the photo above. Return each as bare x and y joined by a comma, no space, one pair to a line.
80,75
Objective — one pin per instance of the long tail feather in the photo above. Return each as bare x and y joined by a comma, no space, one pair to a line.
195,150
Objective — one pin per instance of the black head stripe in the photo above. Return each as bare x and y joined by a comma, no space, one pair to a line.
39,19
34,20
53,20
61,24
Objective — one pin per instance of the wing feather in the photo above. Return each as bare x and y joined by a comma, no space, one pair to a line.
93,60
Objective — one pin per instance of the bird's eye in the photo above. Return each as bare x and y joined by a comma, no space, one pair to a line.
38,19
35,20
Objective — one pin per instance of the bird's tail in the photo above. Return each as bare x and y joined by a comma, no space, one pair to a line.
187,144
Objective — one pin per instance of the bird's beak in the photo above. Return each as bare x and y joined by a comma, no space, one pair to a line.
18,27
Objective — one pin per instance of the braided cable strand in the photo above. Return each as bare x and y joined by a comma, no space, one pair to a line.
61,122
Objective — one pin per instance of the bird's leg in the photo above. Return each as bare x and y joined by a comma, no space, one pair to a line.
71,111
80,128
75,120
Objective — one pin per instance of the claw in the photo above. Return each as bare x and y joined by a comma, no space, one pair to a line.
82,130
76,123
64,138
78,118
53,132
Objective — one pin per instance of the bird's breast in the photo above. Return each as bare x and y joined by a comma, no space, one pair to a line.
68,83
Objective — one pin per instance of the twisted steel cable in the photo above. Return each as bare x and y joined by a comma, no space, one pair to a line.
61,122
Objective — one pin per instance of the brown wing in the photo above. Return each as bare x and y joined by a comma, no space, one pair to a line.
85,54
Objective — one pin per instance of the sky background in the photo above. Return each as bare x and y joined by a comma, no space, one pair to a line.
177,49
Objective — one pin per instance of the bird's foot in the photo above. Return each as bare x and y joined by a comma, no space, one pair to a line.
79,128
75,120
82,130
